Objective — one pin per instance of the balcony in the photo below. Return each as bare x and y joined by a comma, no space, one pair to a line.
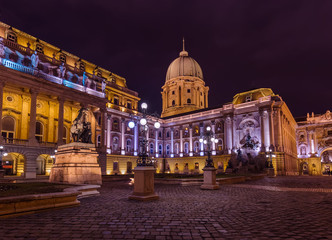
18,58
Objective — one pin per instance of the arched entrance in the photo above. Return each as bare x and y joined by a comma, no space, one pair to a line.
13,164
44,163
304,168
326,160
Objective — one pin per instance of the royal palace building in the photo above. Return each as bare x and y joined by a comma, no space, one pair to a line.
42,88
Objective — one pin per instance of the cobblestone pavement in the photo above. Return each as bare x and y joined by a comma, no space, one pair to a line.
240,211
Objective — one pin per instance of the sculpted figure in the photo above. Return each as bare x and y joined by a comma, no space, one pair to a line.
103,86
62,70
34,60
2,48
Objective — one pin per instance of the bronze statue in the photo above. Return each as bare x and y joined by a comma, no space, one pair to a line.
81,128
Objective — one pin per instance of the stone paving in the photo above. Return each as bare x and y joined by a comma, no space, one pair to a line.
242,211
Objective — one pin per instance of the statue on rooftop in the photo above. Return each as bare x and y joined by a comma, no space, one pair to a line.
34,60
62,70
2,48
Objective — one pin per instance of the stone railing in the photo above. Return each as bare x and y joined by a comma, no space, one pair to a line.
17,57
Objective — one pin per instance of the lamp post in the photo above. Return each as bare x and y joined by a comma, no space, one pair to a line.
144,172
270,167
209,170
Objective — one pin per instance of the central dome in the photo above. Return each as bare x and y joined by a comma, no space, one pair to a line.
184,66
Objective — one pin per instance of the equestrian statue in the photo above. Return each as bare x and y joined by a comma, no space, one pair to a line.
81,128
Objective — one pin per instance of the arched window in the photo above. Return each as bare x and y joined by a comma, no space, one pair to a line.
115,126
128,146
151,148
196,130
8,128
176,149
167,149
39,131
186,148
115,143
159,134
173,103
220,145
303,150
167,134
11,37
196,147
160,149
189,101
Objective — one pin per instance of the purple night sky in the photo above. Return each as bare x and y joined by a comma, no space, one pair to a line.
240,45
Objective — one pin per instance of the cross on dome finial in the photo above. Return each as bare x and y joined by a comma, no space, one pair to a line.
183,53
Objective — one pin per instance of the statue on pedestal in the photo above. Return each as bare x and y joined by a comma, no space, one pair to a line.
34,60
81,128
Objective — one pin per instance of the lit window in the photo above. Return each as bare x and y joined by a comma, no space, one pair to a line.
186,148
115,126
39,48
116,100
62,58
115,143
64,135
248,98
12,37
8,128
129,105
167,134
167,149
82,66
39,131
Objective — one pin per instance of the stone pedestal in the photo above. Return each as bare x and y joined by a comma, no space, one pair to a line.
210,179
144,184
76,163
270,172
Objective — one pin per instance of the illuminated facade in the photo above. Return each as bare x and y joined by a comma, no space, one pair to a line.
314,144
43,87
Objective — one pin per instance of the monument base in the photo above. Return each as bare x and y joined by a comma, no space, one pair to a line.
144,184
209,179
271,173
76,163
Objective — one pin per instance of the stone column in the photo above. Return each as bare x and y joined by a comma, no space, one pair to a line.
201,130
135,139
271,128
234,142
60,121
2,84
30,164
51,126
213,128
103,128
33,112
190,141
108,132
181,142
172,142
261,118
123,152
266,130
229,134
156,142
280,143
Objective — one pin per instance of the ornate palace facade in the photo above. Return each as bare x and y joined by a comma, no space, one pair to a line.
42,88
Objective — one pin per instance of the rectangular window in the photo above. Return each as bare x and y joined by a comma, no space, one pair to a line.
39,48
188,90
129,105
116,100
62,58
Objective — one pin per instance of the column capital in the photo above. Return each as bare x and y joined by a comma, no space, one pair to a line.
61,99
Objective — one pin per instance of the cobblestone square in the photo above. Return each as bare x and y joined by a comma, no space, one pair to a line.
271,208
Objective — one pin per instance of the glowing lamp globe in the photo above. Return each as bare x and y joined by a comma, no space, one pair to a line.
143,121
205,142
216,140
212,139
208,128
131,124
157,124
201,140
144,106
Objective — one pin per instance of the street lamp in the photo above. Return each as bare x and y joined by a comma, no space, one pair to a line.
2,154
208,138
143,159
270,167
144,172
